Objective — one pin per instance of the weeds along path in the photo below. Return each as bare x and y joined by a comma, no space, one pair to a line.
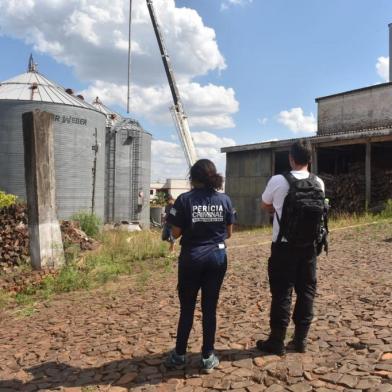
115,338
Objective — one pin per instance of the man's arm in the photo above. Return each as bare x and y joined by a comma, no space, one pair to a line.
268,195
267,207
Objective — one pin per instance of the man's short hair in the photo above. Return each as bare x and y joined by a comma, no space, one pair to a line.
301,153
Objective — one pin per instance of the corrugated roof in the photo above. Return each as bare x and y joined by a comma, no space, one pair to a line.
32,86
129,124
331,137
112,117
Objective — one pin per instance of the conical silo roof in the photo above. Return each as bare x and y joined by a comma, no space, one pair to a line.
112,117
33,86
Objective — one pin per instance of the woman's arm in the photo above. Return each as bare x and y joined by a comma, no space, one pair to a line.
176,231
229,230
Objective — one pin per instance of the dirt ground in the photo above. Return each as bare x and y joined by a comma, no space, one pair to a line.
115,338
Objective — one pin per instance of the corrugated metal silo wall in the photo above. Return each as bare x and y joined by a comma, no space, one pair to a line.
247,173
122,193
132,174
145,178
73,140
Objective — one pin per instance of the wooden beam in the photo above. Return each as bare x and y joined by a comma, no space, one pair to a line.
272,162
314,160
348,142
368,173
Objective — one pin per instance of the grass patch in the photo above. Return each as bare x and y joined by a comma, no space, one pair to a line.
89,223
358,219
26,311
89,389
122,253
252,229
386,213
5,298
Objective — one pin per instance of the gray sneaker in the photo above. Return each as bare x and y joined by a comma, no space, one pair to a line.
175,361
208,365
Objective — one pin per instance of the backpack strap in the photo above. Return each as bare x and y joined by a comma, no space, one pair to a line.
280,235
290,179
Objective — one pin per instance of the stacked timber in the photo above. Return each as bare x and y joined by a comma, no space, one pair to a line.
14,237
381,186
345,191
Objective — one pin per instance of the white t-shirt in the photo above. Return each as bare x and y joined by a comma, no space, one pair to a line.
276,191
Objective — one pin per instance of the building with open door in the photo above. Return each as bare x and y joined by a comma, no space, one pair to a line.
351,151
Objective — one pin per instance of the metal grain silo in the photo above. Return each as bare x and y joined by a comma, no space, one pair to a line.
128,169
78,129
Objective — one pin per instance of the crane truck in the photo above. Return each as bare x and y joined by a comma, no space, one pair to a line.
177,110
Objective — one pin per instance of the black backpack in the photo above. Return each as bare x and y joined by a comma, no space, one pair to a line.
304,220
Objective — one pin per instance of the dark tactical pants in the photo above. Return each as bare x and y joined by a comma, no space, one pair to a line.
205,273
292,268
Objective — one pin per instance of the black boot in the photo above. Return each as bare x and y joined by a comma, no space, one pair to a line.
299,341
275,342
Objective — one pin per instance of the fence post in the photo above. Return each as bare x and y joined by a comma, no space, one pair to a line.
46,246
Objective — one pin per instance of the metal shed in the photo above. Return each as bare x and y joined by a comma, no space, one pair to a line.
353,142
249,167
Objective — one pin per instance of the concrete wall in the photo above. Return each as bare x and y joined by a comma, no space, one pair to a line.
361,109
247,173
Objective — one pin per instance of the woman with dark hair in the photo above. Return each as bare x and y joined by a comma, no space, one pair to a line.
203,218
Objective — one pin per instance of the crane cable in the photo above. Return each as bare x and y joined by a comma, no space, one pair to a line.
129,56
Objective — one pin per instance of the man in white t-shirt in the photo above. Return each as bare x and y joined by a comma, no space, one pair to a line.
289,267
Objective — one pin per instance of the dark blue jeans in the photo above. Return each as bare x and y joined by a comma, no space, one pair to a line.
292,268
205,273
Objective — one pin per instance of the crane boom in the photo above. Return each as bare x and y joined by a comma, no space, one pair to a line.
178,113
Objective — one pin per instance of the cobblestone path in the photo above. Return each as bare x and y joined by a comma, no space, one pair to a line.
114,339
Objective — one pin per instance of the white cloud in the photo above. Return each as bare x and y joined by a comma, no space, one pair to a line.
227,3
208,107
168,158
93,39
92,36
382,68
296,121
211,140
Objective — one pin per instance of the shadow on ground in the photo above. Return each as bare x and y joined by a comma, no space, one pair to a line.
126,373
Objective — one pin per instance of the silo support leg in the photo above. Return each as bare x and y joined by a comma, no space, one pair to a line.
46,246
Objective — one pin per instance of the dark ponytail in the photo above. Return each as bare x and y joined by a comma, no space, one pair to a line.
204,172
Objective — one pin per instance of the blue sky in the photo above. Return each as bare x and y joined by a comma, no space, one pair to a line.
282,54
255,79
